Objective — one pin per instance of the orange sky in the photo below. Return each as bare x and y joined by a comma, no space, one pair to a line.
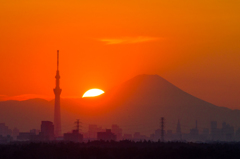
193,44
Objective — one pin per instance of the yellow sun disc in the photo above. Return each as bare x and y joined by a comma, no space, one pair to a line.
93,93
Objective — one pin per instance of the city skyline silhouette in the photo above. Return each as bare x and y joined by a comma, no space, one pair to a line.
134,79
126,109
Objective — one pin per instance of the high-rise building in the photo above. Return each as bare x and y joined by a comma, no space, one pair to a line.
75,136
106,136
194,133
4,130
179,131
237,138
93,130
227,132
117,131
15,133
214,130
47,130
57,91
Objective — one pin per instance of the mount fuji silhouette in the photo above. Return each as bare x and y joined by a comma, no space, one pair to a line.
136,106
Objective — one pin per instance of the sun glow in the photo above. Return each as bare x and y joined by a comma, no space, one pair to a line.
93,93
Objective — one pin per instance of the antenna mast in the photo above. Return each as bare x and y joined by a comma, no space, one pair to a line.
162,129
57,59
78,125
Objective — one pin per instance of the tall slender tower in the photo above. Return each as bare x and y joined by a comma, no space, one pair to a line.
57,91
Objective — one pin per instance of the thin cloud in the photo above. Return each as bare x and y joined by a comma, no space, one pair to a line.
32,96
2,97
129,40
22,97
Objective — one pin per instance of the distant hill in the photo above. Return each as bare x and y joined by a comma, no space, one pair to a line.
135,105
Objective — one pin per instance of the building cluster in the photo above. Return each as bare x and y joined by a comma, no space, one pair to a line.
226,133
94,132
47,133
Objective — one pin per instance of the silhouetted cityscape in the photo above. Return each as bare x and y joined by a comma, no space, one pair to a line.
225,134
113,142
119,79
52,131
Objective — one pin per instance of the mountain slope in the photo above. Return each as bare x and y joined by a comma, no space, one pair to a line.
152,97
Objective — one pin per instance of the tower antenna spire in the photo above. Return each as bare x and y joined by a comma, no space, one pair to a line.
57,59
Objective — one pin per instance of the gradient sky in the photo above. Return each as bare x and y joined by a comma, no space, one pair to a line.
193,44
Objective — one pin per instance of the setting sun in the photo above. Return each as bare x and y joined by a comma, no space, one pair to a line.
93,93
